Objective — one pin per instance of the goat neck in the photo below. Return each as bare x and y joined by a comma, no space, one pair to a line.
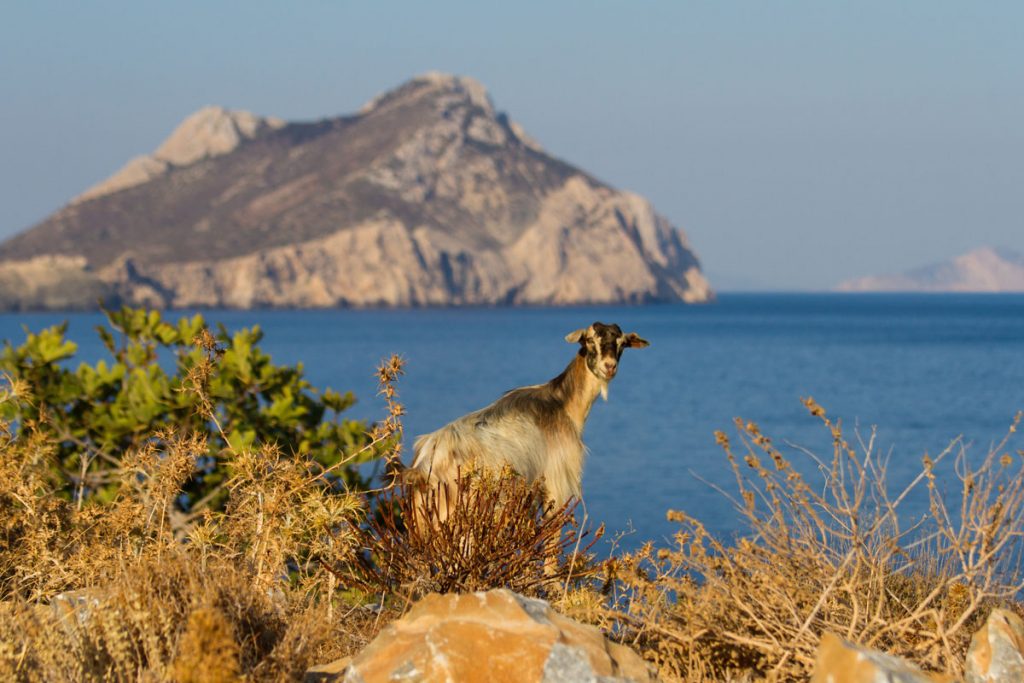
578,388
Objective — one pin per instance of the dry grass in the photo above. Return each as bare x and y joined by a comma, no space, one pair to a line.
136,589
829,554
160,619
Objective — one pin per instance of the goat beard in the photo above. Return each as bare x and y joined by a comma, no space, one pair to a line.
604,391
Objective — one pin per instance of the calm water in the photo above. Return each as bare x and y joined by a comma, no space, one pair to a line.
923,369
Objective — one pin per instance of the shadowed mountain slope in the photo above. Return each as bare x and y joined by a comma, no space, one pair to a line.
426,196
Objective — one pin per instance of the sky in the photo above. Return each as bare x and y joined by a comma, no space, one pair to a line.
798,144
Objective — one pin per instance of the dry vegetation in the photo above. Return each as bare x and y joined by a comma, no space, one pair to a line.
831,553
122,591
493,530
295,569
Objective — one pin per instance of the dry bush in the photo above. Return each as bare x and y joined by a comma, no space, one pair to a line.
280,515
169,619
34,525
208,649
145,604
487,530
828,555
136,589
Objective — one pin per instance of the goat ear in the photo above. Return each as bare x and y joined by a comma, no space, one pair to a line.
634,341
575,337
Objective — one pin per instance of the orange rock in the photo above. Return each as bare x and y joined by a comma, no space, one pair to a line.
996,654
840,661
491,637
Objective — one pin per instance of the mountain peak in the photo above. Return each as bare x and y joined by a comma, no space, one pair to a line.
463,85
991,254
438,83
209,132
212,131
457,102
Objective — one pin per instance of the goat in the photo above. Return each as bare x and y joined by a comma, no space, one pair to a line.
536,430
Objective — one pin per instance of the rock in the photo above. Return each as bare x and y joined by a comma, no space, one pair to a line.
840,661
996,654
73,609
323,673
50,281
380,263
209,132
427,197
490,637
137,171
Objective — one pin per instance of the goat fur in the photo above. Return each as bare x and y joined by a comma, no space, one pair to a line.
537,430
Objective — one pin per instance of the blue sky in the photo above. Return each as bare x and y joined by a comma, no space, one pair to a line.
797,143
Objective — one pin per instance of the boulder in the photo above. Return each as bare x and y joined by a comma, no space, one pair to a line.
996,654
324,673
490,636
75,608
840,661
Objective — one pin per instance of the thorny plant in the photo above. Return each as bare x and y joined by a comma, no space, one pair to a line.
291,515
166,619
390,430
486,530
835,555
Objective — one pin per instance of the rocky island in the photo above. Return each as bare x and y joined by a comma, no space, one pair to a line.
427,196
986,269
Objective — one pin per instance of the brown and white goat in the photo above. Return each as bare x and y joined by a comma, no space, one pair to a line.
536,430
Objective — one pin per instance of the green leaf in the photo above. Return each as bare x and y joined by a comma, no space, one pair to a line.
127,401
50,346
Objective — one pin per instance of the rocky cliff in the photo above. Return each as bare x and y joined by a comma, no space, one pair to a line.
986,269
426,196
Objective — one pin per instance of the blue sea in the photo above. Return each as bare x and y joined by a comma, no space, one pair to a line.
921,370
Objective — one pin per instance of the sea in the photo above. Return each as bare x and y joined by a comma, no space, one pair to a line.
909,374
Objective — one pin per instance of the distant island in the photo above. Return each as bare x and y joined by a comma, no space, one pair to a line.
427,196
986,269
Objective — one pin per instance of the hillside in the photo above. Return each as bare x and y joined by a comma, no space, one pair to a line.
426,196
986,269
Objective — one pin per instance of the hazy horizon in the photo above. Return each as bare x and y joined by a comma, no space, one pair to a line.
797,144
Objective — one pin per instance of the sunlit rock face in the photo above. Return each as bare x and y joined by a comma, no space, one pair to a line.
840,661
997,650
210,132
489,637
426,197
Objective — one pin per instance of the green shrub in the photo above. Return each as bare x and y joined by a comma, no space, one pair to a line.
222,386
